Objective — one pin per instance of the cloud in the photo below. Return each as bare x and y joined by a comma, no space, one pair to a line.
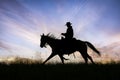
110,52
20,33
4,46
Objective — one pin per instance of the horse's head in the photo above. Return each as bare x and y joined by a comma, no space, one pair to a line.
43,41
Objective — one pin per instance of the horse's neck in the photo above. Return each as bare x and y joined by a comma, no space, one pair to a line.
51,42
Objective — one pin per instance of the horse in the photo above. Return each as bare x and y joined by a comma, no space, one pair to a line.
61,47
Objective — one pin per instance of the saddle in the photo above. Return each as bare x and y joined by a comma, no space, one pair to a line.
72,39
68,41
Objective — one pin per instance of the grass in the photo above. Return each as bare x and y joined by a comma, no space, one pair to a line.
37,71
26,69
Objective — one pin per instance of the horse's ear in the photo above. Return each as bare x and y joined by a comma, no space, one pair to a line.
42,34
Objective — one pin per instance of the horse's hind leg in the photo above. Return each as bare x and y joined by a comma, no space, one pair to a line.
90,59
84,57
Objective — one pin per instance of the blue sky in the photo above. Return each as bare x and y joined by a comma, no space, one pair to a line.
22,22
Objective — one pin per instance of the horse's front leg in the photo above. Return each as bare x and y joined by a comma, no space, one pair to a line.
52,55
65,58
62,58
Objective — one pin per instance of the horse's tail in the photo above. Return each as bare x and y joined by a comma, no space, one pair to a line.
92,47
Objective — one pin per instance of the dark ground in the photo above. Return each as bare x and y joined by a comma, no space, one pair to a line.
60,72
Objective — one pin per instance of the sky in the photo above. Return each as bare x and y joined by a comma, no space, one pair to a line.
23,21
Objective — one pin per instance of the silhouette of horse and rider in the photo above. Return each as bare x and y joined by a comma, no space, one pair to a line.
67,45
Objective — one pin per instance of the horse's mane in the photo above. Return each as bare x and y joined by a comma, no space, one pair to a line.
51,36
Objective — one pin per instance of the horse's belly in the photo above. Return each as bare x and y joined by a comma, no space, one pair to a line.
68,51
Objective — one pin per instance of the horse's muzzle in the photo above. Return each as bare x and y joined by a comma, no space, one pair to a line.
41,46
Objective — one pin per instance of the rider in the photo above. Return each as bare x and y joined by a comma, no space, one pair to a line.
69,33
